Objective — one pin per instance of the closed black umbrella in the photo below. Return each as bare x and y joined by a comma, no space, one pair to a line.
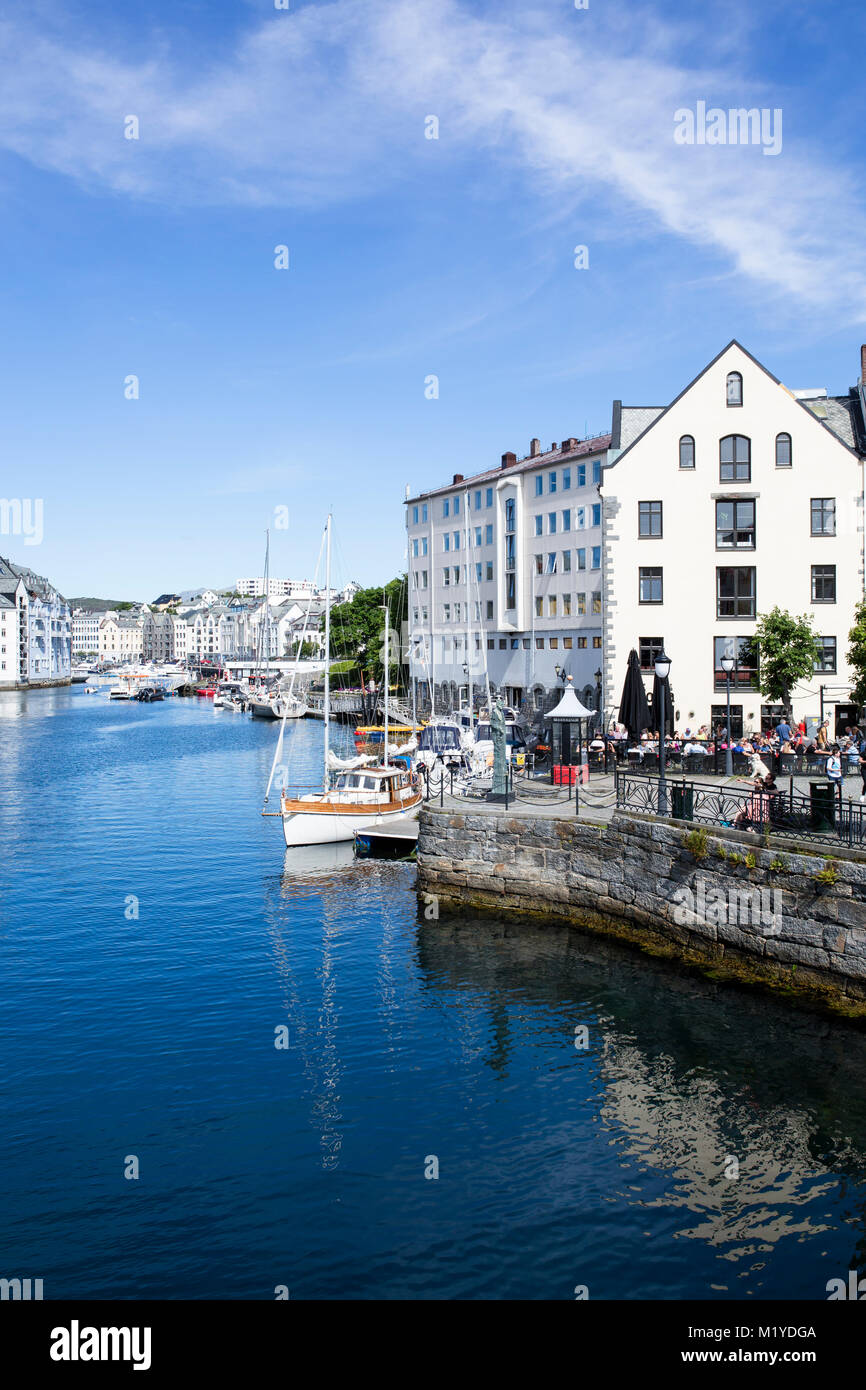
669,705
633,708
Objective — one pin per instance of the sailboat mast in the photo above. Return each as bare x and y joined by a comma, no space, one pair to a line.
467,552
327,645
267,606
387,671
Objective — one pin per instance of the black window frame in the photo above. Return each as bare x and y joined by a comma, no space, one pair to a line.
828,645
827,575
783,434
820,504
650,515
689,441
737,599
735,464
650,573
746,672
735,529
733,376
648,649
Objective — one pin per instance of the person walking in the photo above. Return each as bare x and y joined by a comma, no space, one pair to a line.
863,767
834,767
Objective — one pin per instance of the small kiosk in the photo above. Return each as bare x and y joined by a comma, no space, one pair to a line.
569,752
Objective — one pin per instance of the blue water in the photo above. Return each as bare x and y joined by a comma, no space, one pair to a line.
153,1036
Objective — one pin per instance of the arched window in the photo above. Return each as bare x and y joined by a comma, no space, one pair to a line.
735,459
735,389
687,451
783,451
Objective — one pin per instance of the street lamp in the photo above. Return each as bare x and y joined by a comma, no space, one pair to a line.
663,666
727,664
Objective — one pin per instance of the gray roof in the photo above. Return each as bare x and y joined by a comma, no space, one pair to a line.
581,448
34,583
836,413
636,419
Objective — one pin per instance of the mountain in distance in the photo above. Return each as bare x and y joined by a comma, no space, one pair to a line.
101,605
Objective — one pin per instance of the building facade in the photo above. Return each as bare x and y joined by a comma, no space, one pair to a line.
505,579
85,632
739,496
35,630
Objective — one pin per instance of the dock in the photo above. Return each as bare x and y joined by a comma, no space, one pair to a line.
393,839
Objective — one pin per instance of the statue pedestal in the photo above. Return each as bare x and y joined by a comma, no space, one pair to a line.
496,796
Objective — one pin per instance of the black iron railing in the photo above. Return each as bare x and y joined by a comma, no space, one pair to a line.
824,815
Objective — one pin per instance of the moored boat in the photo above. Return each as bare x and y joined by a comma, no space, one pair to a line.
371,796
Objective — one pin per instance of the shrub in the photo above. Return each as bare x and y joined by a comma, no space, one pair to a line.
696,843
750,860
828,874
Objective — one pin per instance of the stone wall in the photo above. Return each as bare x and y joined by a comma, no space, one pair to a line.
718,898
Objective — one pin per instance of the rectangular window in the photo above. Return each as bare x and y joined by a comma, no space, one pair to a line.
446,577
596,513
650,588
566,519
446,541
477,503
566,605
539,644
539,485
827,661
823,583
515,644
823,516
423,545
566,479
581,642
551,523
456,574
510,515
488,501
580,518
446,507
596,557
551,606
581,605
477,535
596,471
510,591
581,475
489,571
414,516
539,526
491,644
551,562
539,607
566,644
566,562
551,482
446,612
478,572
596,642
423,511
649,518
581,559
503,643
744,650
490,608
488,535
415,549
735,525
456,506
596,602
649,648
456,540
457,612
735,592
539,564
554,644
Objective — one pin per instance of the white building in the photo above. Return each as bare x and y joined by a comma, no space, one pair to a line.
120,637
85,632
297,590
35,630
738,496
505,575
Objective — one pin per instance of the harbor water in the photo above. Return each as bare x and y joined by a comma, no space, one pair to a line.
460,1109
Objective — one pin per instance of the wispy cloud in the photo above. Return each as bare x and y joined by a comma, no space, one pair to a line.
327,104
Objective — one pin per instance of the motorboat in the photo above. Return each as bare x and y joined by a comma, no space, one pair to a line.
356,800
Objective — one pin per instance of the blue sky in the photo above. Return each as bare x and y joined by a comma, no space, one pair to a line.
304,388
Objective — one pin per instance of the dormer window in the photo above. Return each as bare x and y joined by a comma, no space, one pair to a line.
735,389
687,451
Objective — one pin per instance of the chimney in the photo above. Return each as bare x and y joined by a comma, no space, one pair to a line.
508,460
458,478
568,444
863,364
553,447
535,446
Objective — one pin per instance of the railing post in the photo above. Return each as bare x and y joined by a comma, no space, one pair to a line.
442,787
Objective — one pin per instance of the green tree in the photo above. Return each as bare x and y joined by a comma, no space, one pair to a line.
788,651
358,627
857,653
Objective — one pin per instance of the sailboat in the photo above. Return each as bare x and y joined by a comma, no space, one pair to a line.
360,794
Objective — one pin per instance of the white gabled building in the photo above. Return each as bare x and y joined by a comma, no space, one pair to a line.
505,575
35,630
739,496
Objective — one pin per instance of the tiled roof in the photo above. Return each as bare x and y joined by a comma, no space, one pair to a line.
636,419
597,445
836,412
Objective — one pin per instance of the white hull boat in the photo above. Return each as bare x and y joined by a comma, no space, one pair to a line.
358,801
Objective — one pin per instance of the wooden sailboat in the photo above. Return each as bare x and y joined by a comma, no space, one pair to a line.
353,797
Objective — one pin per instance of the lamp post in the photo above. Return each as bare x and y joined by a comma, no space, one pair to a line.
727,664
598,696
663,666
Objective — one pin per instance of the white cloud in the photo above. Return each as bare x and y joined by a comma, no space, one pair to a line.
328,104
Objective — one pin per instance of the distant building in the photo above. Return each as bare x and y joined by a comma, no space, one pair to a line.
120,638
35,630
166,601
85,632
